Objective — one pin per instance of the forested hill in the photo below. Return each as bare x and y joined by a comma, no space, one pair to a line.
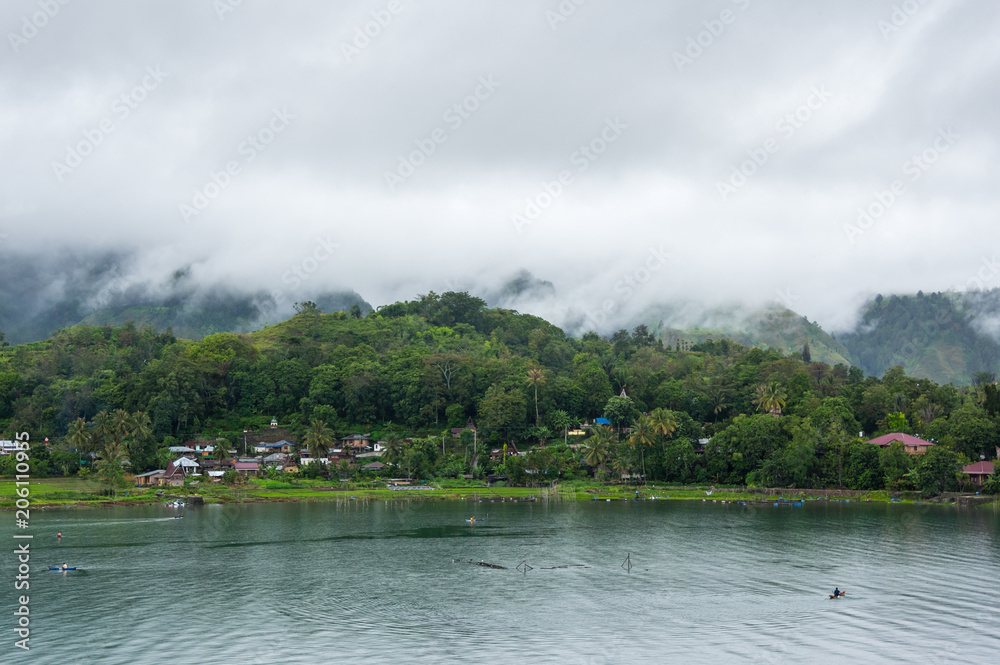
934,336
770,327
416,368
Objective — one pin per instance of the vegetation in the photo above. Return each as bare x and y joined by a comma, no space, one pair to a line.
412,370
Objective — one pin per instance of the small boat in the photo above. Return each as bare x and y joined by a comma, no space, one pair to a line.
61,568
842,594
475,520
177,517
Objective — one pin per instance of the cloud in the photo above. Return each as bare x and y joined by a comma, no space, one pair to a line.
356,89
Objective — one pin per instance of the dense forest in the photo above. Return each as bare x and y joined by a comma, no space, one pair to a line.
411,370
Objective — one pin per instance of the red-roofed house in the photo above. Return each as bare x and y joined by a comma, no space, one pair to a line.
911,444
247,468
979,471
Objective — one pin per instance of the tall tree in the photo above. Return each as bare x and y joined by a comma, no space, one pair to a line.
536,377
643,435
318,439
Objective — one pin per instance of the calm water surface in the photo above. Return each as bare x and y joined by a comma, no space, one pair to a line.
389,583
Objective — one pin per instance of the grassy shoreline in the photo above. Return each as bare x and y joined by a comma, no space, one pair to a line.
50,493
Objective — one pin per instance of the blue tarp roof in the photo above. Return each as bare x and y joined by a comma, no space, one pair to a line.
602,421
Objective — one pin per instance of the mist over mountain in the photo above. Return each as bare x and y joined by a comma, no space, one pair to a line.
43,293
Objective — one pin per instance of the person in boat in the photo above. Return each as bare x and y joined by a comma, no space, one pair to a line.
837,592
59,535
65,566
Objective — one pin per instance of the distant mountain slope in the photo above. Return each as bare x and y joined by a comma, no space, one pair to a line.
943,337
773,327
200,316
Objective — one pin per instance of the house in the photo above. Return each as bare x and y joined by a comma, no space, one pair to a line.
700,445
278,460
456,432
602,421
912,444
339,454
357,442
177,471
374,466
209,464
182,450
247,468
147,478
497,453
979,472
10,447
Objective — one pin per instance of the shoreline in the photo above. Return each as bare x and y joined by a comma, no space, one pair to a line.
295,493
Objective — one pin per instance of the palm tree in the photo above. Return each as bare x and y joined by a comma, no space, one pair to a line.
560,420
142,428
929,413
393,448
221,450
643,434
663,424
541,433
79,435
598,447
102,427
318,438
770,398
121,424
536,378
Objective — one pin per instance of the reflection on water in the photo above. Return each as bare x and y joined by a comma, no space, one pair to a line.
391,582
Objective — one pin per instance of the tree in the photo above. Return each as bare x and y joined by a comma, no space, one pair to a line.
560,420
643,435
620,410
770,398
318,439
393,448
598,447
536,377
937,471
806,353
221,450
501,409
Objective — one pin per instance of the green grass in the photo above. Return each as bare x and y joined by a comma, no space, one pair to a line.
81,492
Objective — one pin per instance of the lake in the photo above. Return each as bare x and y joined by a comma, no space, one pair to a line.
380,582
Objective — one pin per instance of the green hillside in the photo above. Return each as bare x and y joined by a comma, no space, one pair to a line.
772,327
931,336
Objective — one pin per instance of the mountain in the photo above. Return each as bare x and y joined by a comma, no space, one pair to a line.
946,337
770,327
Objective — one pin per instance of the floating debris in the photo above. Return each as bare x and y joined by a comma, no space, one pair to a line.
486,564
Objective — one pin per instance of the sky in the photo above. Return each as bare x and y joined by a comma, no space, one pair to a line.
631,153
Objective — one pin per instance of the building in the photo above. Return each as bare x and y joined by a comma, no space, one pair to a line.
456,432
148,478
914,445
247,468
176,472
979,472
374,466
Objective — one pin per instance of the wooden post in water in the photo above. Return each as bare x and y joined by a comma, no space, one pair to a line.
524,566
627,564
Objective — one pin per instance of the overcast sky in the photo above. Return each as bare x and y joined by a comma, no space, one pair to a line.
711,152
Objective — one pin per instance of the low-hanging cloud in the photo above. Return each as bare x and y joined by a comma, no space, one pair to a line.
249,144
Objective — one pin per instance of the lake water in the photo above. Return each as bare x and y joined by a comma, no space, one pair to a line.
389,583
